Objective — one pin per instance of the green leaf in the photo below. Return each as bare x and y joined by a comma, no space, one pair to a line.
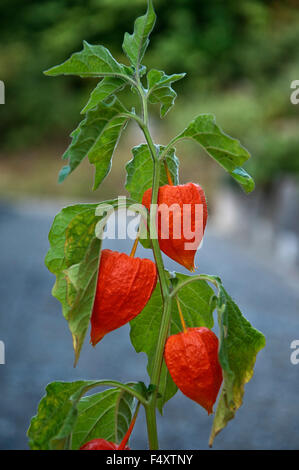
73,257
63,413
71,233
244,179
160,90
53,411
105,88
140,170
92,61
135,44
195,300
141,388
105,415
228,152
157,78
96,138
239,345
75,289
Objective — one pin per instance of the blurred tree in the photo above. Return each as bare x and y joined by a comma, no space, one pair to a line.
247,49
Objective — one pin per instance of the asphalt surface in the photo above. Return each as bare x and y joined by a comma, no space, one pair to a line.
39,348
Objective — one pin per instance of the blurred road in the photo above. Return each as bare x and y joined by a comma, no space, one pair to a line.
39,347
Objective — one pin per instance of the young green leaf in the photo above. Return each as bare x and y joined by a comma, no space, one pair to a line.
160,90
228,152
135,44
96,138
105,88
239,345
195,300
92,61
140,170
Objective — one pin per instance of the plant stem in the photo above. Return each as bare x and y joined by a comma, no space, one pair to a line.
151,423
163,333
170,182
134,248
200,277
181,315
164,284
153,231
116,384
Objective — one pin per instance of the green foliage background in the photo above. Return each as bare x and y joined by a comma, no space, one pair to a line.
240,58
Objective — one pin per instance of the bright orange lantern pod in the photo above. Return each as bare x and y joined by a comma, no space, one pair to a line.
192,360
125,285
186,223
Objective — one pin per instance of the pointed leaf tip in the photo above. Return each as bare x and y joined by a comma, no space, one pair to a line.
64,172
135,44
92,61
239,346
244,179
225,150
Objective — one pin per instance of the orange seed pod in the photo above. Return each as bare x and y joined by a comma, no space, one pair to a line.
189,194
125,285
192,360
